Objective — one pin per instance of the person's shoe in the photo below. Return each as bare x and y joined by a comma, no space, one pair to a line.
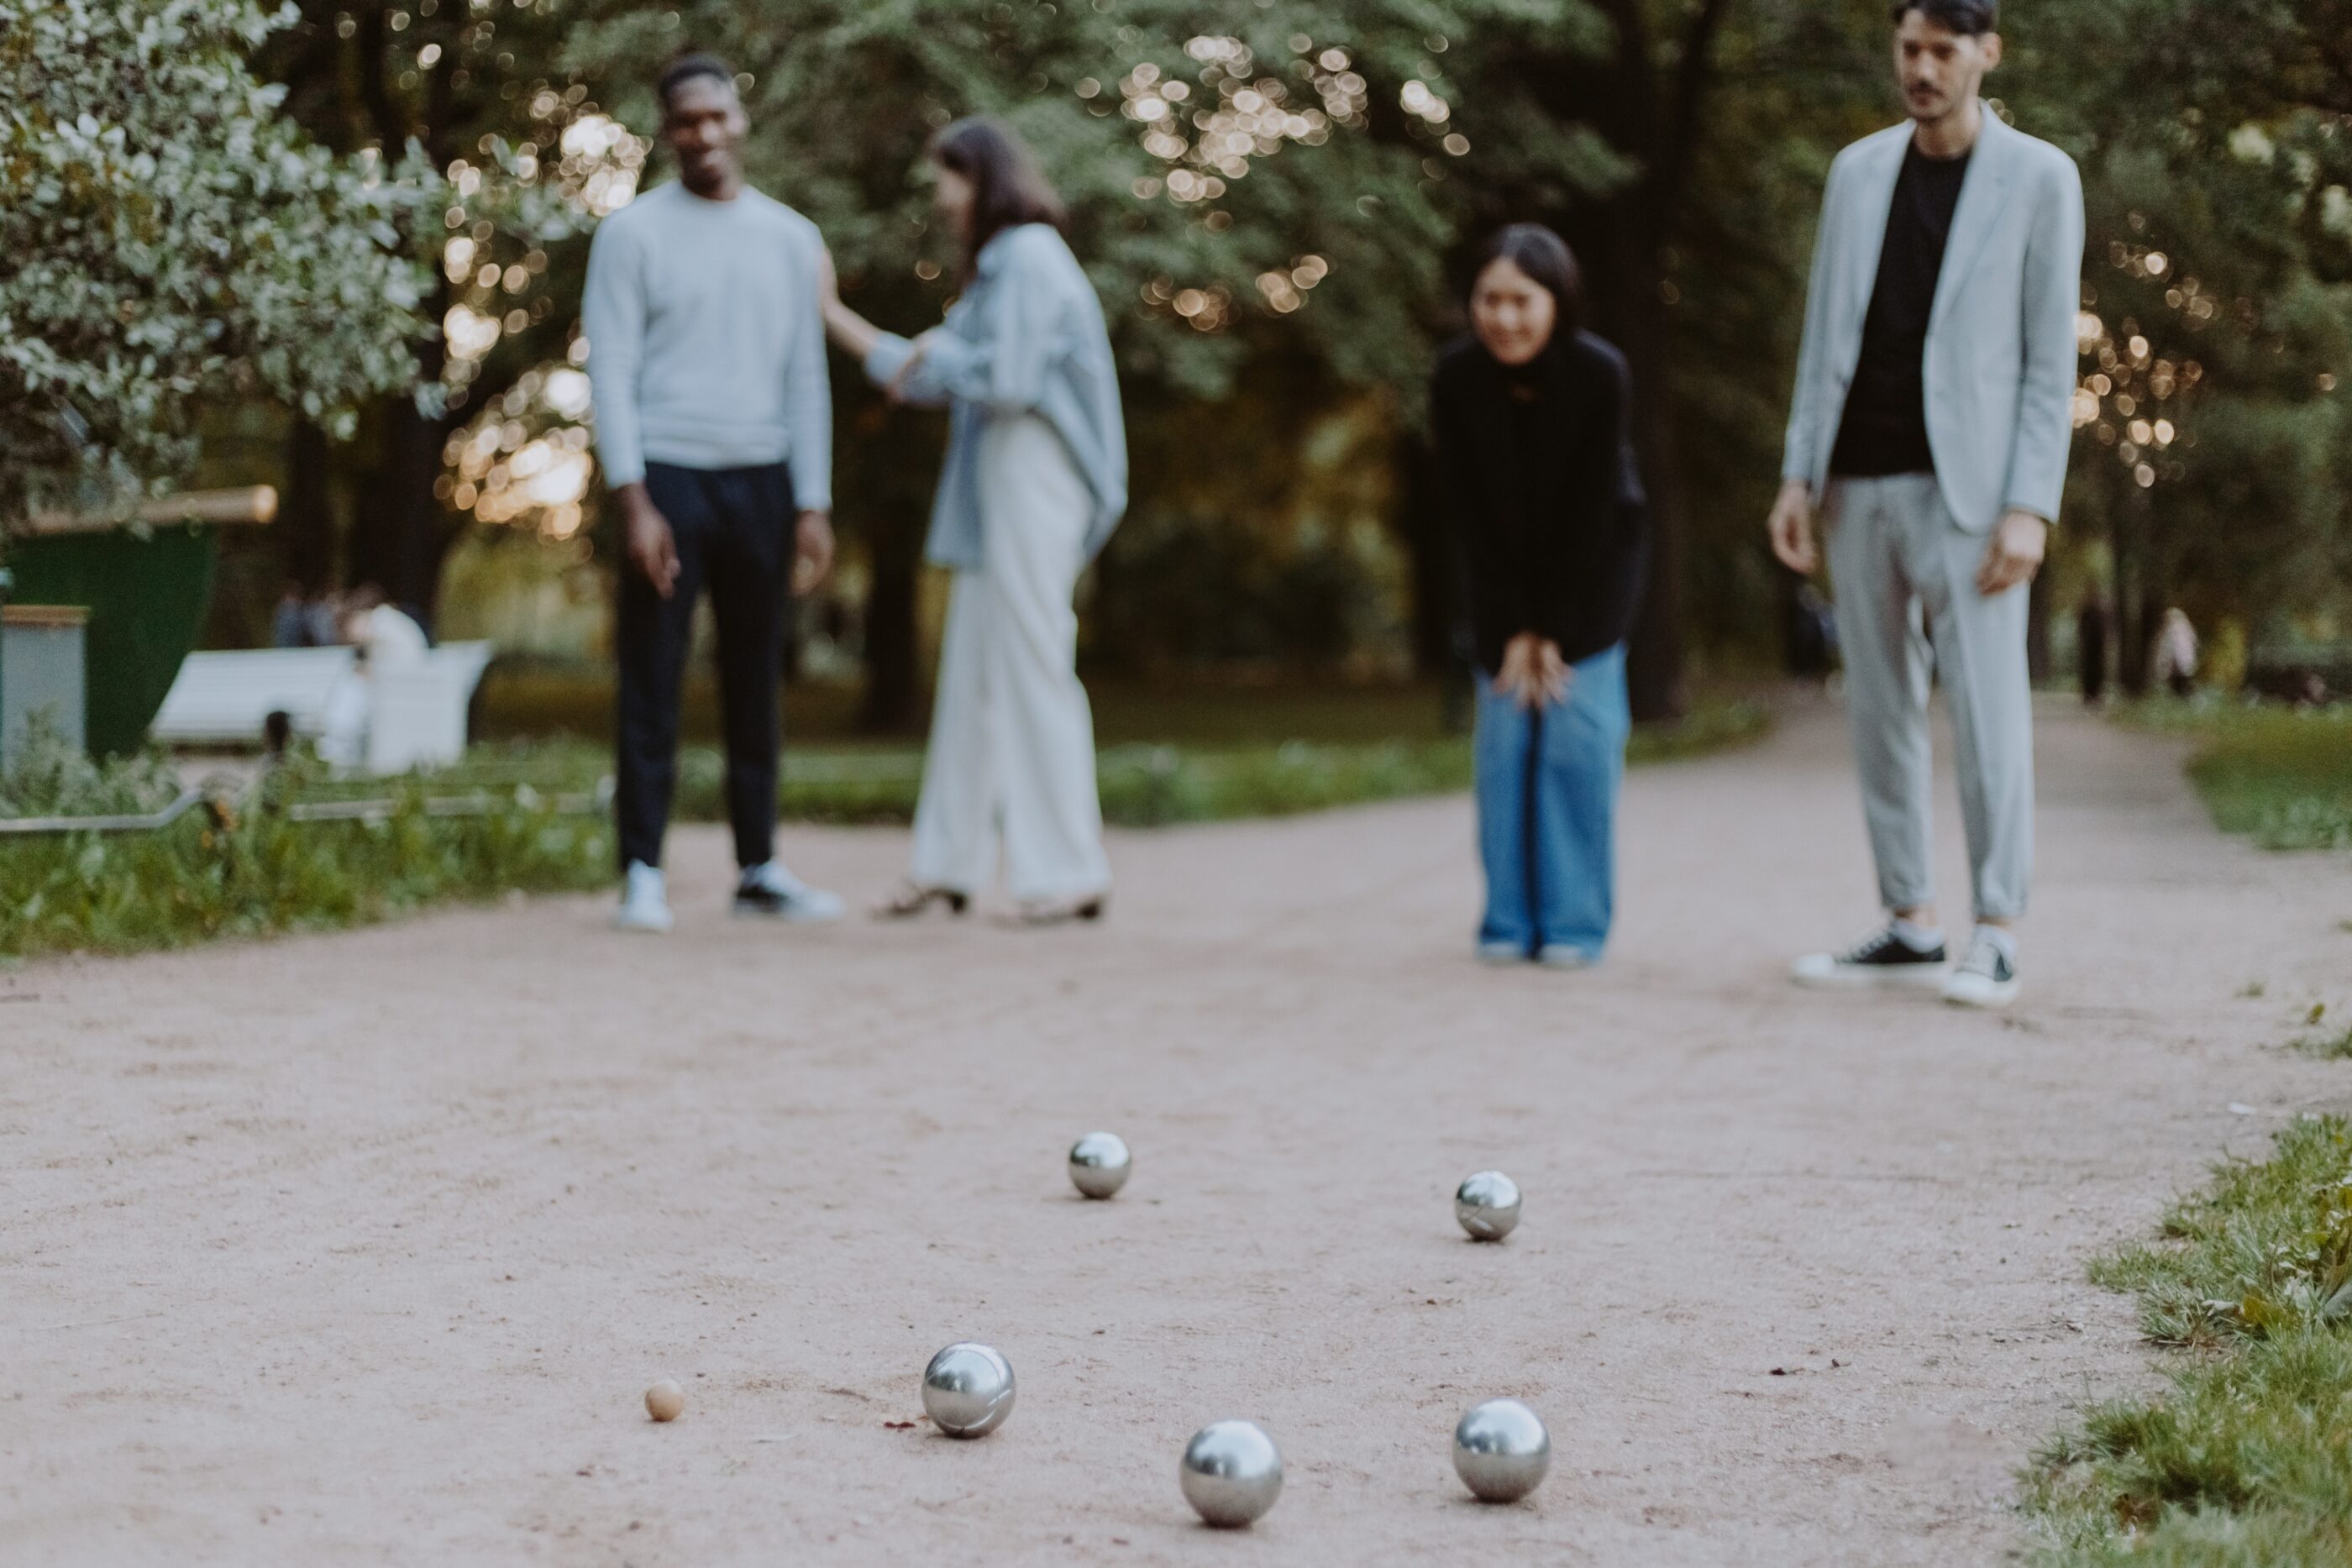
1561,955
1987,977
1885,957
1041,912
644,900
1500,953
915,898
770,892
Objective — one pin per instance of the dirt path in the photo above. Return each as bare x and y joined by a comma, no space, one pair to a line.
361,1248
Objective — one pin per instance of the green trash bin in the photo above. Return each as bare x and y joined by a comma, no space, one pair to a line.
146,587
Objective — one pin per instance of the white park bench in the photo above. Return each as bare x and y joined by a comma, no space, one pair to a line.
417,711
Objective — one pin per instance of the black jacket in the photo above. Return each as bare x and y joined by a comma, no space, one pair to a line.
1541,493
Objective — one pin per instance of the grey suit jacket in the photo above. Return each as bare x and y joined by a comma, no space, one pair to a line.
2002,353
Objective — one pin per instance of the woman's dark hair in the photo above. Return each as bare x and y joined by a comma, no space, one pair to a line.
1545,257
1008,188
1969,18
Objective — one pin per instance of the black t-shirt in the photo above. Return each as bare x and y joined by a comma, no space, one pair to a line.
1885,429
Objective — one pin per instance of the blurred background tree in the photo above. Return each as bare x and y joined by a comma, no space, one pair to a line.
171,239
1275,200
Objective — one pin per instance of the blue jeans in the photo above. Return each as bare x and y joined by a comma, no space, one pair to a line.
1547,785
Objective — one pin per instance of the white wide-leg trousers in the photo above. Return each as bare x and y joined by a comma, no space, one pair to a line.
1013,741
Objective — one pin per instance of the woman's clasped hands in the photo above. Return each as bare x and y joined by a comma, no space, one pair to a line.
1533,674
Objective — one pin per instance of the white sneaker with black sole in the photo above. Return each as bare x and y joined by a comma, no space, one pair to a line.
1987,977
1885,959
644,900
769,892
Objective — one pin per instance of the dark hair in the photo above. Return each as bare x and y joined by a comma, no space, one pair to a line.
1008,188
684,68
1969,18
1545,257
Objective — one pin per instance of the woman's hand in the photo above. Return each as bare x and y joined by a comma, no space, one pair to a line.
1553,673
897,391
1533,674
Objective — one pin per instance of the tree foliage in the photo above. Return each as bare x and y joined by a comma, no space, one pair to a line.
170,238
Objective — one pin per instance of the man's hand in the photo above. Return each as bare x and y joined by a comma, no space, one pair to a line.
652,547
1791,527
2019,542
812,550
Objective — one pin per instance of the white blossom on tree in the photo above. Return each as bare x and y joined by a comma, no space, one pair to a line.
167,239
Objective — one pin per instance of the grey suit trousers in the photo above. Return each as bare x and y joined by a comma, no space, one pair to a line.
1905,573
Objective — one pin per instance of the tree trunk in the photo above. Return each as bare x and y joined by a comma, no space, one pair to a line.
1436,613
306,523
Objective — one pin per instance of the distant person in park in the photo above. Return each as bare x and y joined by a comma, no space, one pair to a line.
2175,653
1036,480
1929,430
384,637
714,423
2091,647
1534,464
302,620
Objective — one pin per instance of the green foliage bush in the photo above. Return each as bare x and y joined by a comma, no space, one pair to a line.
2247,1459
244,868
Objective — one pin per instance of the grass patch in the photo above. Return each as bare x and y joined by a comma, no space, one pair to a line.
2247,1458
2281,775
252,870
1142,785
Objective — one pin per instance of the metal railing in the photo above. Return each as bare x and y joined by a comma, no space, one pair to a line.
227,800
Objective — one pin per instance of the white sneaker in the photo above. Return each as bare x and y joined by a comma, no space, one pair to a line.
1882,958
644,900
1987,977
771,893
1561,955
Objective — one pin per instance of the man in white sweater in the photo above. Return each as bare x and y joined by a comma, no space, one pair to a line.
714,423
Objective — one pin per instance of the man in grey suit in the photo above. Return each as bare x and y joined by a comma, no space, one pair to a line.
1929,430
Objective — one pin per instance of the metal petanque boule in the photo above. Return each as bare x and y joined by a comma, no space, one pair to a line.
1501,1450
1232,1473
1099,1163
1488,1205
968,1390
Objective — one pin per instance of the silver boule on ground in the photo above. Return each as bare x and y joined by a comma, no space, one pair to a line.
1501,1450
1099,1163
1232,1473
1488,1205
968,1390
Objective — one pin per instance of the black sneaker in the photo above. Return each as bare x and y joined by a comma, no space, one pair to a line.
1987,977
1882,958
770,892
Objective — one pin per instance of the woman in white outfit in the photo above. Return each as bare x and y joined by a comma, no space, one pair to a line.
1034,481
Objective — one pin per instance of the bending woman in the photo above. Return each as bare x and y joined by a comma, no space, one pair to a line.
1036,480
1535,465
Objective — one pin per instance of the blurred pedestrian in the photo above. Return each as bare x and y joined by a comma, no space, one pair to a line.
1034,481
714,424
2175,656
1535,473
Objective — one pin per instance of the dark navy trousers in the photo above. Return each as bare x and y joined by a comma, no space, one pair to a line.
734,529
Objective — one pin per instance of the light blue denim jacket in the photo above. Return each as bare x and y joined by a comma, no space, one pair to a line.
1027,337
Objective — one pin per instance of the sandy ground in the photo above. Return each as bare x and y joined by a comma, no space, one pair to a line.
361,1248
